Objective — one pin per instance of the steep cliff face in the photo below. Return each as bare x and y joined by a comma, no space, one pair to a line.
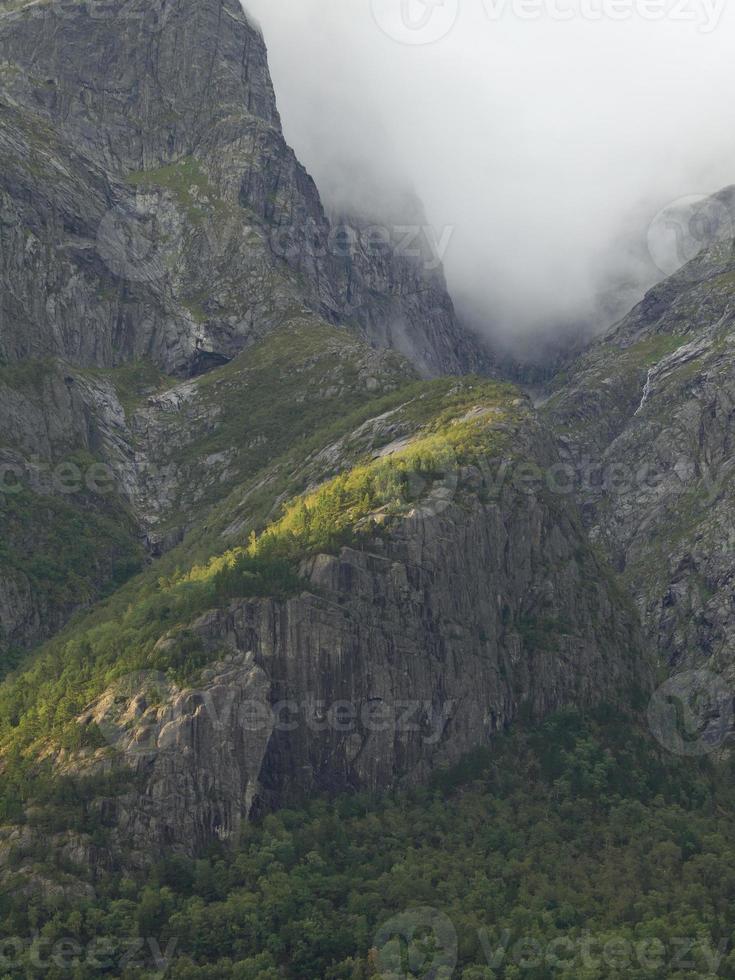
69,533
151,205
645,419
350,581
154,224
101,471
482,605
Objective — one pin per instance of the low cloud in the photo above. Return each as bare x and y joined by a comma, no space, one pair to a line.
547,134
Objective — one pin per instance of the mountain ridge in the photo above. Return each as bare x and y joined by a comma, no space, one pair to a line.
316,492
192,173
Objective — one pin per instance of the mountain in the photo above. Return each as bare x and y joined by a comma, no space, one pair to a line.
240,404
152,207
155,225
644,420
416,570
306,615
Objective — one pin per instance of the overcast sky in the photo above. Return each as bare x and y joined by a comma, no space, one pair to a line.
546,135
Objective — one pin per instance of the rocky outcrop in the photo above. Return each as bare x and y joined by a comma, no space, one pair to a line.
68,531
199,754
482,606
151,212
645,423
150,206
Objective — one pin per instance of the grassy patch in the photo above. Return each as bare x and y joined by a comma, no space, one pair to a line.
289,392
186,182
26,374
647,353
133,382
70,553
60,547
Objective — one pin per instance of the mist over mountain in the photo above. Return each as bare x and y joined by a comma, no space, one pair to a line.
546,146
334,642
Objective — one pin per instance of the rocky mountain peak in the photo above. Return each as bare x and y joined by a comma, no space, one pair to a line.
135,84
161,213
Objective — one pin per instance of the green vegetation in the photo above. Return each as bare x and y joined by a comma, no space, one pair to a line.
623,364
578,834
39,705
7,6
25,374
611,375
66,554
542,633
680,519
133,382
61,548
726,281
261,415
647,353
270,423
187,183
357,501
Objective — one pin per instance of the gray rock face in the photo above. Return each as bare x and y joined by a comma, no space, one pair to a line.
199,753
57,492
645,420
148,470
149,205
151,211
402,657
25,616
